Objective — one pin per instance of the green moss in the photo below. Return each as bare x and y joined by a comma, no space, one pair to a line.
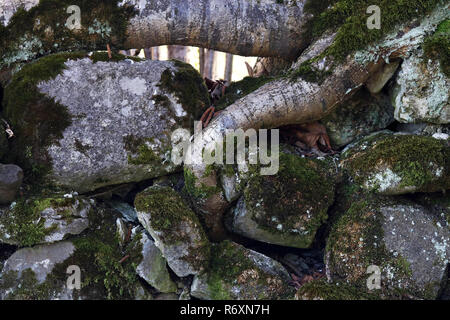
188,86
356,241
199,192
349,18
308,72
27,287
437,46
115,57
37,120
98,254
321,289
409,156
41,30
169,215
142,152
297,197
23,223
239,89
230,266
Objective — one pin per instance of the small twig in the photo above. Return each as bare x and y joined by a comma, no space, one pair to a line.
124,258
128,237
109,51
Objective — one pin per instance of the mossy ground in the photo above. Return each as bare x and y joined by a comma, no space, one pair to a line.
41,30
298,197
323,290
409,156
349,18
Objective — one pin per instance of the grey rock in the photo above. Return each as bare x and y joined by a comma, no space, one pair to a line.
229,186
39,262
416,163
421,93
249,275
58,218
127,211
122,117
11,177
153,268
287,208
175,228
122,230
408,244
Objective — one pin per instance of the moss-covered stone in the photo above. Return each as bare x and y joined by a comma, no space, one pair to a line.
238,273
399,164
437,46
289,207
349,19
399,237
44,220
42,29
32,114
188,86
175,228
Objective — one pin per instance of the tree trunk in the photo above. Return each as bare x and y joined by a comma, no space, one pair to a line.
249,28
209,63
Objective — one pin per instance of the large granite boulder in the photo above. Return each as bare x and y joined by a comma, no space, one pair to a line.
83,123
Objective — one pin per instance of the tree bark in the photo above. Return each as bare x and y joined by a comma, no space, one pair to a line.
249,28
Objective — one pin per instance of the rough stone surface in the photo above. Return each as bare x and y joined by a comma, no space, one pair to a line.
287,208
11,177
393,164
421,93
409,245
153,267
175,228
40,260
57,218
121,123
359,116
241,274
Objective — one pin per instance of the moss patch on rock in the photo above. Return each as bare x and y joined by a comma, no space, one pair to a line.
292,204
174,223
42,29
22,224
37,120
232,267
437,46
349,18
323,290
188,86
396,164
